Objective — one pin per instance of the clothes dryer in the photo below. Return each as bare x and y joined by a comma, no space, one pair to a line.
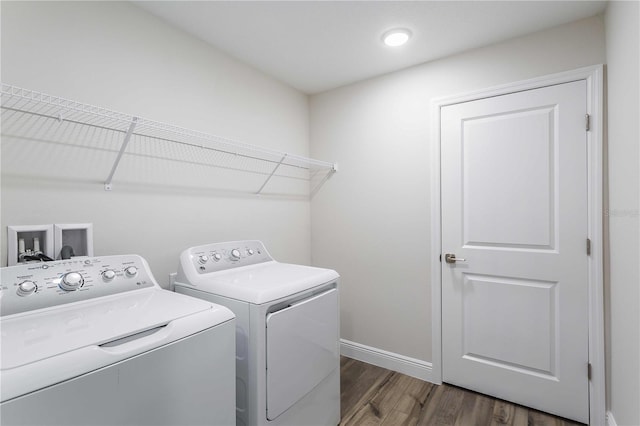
287,339
96,341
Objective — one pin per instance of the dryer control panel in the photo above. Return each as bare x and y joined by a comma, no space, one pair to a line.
233,254
40,285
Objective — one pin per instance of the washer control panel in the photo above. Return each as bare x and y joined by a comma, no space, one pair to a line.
40,285
220,256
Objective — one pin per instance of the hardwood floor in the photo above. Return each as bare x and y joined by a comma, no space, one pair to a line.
372,395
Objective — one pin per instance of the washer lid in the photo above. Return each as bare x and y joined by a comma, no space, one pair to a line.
39,335
263,282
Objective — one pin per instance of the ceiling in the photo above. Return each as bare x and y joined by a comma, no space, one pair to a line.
315,46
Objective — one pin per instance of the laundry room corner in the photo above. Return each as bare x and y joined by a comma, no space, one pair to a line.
357,211
119,57
375,226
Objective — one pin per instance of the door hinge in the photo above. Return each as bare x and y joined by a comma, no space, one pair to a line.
589,371
588,247
587,122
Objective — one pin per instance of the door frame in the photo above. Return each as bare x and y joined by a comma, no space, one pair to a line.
594,78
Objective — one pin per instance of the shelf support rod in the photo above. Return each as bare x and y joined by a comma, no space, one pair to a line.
127,137
271,175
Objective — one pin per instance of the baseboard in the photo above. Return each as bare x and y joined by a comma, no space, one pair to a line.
389,360
610,420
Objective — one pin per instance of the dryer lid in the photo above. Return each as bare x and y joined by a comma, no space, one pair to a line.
38,335
263,282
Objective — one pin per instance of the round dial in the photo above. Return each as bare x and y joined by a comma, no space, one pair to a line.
71,281
250,252
26,288
235,254
203,259
217,257
131,271
109,274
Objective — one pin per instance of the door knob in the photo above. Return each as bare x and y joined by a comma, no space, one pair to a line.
451,258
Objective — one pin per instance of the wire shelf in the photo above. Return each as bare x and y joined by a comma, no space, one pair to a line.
31,115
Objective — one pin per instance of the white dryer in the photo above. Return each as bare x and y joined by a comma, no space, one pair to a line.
287,340
96,341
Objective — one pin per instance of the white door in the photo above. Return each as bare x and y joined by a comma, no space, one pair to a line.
514,207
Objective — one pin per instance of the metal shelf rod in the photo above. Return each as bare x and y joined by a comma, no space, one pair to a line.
271,175
252,157
207,148
62,118
127,137
16,99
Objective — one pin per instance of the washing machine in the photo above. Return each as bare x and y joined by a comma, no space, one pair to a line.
96,341
287,337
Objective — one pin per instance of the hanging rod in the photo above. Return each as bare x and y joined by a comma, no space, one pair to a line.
27,101
204,147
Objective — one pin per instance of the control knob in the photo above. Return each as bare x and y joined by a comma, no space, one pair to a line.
217,257
203,259
250,252
109,274
26,288
71,281
235,254
131,271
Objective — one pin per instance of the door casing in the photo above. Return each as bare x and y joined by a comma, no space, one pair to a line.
593,75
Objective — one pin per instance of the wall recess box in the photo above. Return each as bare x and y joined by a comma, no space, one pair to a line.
79,236
29,238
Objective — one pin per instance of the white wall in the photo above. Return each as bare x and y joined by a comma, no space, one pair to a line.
371,221
623,319
115,55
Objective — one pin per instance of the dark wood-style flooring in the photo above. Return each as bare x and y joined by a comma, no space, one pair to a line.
372,395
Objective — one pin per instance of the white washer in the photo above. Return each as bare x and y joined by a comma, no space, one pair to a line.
287,340
97,341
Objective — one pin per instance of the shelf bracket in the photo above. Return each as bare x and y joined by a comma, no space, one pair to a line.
127,137
271,175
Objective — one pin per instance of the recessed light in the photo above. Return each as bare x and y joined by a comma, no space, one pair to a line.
396,37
